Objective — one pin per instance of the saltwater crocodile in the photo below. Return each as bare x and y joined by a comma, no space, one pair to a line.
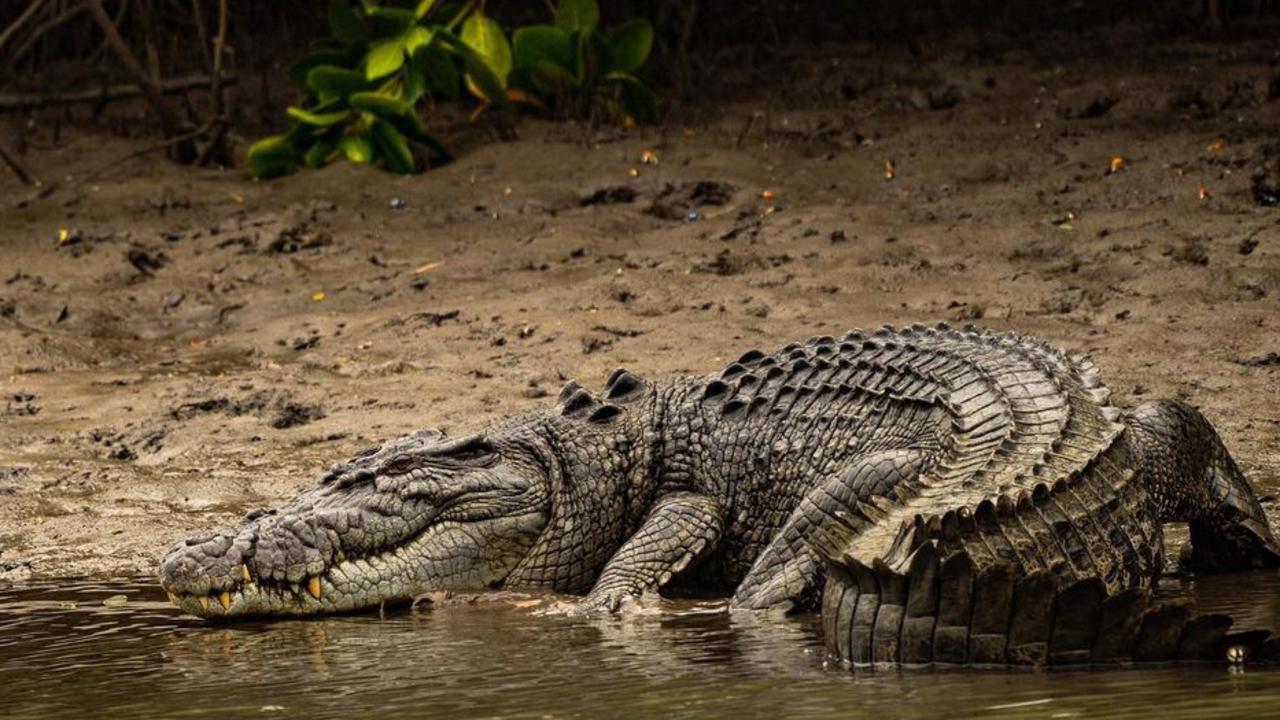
964,495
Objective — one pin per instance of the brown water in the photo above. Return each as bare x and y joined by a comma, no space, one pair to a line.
63,653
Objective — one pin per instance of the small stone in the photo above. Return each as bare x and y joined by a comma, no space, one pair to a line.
397,203
116,601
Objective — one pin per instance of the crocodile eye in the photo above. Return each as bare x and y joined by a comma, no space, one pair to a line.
400,465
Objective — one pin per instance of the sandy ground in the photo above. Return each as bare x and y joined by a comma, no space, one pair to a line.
201,344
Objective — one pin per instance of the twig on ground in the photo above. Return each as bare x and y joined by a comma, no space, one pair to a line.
163,145
19,168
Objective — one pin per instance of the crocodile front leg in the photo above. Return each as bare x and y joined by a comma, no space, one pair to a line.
679,529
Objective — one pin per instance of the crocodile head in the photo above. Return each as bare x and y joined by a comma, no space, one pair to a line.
418,514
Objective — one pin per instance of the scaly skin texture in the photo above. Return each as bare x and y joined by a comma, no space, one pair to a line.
928,448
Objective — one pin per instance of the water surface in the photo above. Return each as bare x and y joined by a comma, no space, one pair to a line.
63,653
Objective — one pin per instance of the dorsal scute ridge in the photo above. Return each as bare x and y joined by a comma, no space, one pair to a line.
623,385
576,401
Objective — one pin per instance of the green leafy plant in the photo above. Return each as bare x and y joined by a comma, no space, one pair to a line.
363,89
573,67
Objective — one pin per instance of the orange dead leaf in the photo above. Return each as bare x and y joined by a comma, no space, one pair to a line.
1118,163
889,169
520,96
1204,193
649,157
318,295
427,267
1216,145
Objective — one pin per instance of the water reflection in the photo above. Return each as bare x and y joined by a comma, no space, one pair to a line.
63,653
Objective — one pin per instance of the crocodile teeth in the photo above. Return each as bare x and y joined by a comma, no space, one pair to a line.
313,586
225,599
204,602
244,572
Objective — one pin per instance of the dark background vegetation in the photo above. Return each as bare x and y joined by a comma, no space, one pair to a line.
704,51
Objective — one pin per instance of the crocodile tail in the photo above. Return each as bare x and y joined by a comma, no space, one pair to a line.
949,610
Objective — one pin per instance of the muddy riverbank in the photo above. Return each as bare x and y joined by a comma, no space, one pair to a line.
179,346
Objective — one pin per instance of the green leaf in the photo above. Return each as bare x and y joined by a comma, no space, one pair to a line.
417,37
544,57
637,99
413,128
423,8
357,147
318,119
629,44
380,104
480,79
345,24
415,83
384,58
542,42
548,77
392,147
271,156
439,71
330,82
391,21
297,72
577,15
485,37
318,155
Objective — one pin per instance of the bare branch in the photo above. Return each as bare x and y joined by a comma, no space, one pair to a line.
48,27
172,86
22,20
169,122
